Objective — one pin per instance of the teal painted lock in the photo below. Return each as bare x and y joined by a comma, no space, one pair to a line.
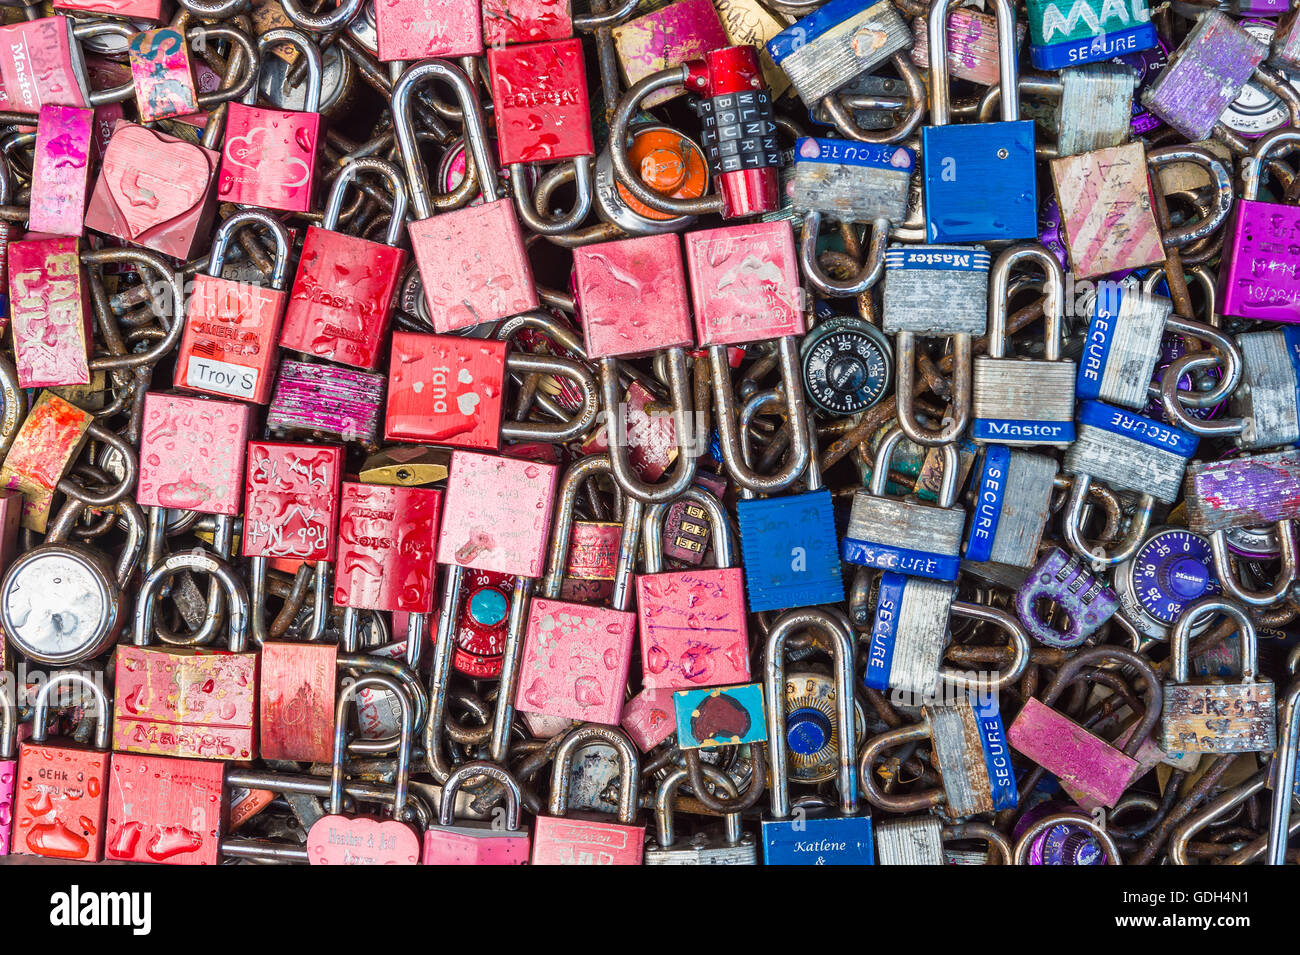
980,182
788,542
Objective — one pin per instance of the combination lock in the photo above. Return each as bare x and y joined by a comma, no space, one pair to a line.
847,366
1170,571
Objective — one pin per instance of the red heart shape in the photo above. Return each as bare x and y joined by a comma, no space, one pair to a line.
151,179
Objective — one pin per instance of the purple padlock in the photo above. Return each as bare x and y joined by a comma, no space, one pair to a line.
1061,577
1062,844
1172,569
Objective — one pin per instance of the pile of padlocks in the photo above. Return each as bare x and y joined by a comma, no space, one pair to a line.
703,432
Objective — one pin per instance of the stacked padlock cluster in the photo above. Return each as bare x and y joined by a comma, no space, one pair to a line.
690,432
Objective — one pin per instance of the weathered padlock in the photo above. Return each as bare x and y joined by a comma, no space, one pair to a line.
42,451
1260,273
561,838
1086,601
1019,401
979,178
50,313
338,839
848,364
343,290
916,840
666,37
666,160
692,622
906,536
164,810
575,658
187,701
477,843
61,170
1217,717
1013,503
792,836
975,778
232,328
733,847
840,40
269,157
41,62
1066,838
192,453
62,788
415,29
149,10
1248,491
8,764
1087,763
1090,31
326,401
1128,452
972,45
471,261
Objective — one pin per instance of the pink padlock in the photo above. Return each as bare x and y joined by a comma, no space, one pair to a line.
8,766
745,283
477,843
693,625
415,29
631,296
130,9
61,171
649,718
192,453
41,63
50,313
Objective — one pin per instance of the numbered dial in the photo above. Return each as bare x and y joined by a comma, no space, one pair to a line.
1171,571
484,619
846,366
811,734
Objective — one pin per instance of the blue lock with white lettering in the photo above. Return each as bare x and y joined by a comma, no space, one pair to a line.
1013,502
1129,452
980,181
909,635
906,536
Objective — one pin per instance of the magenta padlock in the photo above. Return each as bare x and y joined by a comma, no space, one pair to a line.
666,37
471,260
269,158
343,404
49,313
61,171
415,29
41,63
8,766
1259,271
1084,762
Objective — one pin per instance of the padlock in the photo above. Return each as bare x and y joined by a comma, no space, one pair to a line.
905,536
192,453
1204,75
909,634
8,764
733,847
1096,107
974,779
343,290
561,838
62,788
847,363
151,10
49,313
667,161
1128,452
1168,572
164,810
979,179
1213,716
232,328
189,702
799,838
972,45
62,603
738,135
1259,277
666,37
477,843
713,716
388,538
1071,837
916,840
326,401
1013,504
296,701
162,74
446,389
745,284
1086,601
471,261
1020,401
787,541
936,290
42,63
1089,31
480,630
338,839
154,190
513,21
575,657
61,170
269,156
692,622
1086,762
840,40
42,451
415,29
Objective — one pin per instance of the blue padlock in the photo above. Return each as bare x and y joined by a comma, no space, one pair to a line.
980,182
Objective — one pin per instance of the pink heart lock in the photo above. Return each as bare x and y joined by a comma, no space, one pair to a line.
349,840
150,194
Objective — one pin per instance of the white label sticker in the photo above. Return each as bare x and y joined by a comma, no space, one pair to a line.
208,374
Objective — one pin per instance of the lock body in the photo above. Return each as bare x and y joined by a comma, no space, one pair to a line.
1260,275
972,45
980,182
914,539
584,838
714,716
525,21
909,634
936,290
1068,751
1122,346
1251,490
738,131
539,91
842,39
61,170
667,37
1019,401
616,284
296,701
132,9
325,400
1013,502
164,810
47,443
415,29
475,844
649,718
49,313
447,390
819,840
976,778
744,283
575,661
916,840
192,453
852,182
269,159
483,623
228,347
1219,717
693,628
788,544
1268,396
61,799
1107,218
291,500
1172,569
163,75
1087,601
41,63
1065,33
341,298
387,537
1129,452
155,190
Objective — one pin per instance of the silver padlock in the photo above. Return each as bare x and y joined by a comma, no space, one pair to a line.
1128,451
917,840
1013,503
733,847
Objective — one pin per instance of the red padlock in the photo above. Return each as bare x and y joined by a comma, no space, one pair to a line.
269,158
164,810
387,539
291,500
231,328
447,390
343,292
526,21
472,261
61,170
41,63
192,453
415,29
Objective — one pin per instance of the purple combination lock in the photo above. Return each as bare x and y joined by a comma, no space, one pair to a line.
1063,843
1061,577
1172,569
